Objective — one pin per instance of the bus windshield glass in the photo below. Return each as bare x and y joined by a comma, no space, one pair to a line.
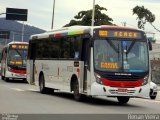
121,55
17,55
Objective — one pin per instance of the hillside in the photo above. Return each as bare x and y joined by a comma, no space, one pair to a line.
15,29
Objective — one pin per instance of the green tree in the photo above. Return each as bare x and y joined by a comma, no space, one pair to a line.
143,16
85,18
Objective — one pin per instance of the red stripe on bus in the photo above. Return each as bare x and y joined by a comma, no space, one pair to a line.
57,35
125,84
78,71
18,71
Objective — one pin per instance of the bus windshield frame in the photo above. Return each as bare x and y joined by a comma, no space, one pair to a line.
120,54
17,55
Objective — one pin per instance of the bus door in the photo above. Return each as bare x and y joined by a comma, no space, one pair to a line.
31,64
86,59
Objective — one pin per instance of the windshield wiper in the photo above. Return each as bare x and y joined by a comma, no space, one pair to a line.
118,53
112,45
19,55
131,46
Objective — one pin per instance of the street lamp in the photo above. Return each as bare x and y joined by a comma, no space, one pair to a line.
53,14
93,13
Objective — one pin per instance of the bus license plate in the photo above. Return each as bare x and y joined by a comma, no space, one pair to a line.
121,90
19,75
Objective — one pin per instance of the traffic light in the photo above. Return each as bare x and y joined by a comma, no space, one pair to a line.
4,34
16,14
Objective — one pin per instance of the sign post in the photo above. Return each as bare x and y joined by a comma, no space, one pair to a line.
53,14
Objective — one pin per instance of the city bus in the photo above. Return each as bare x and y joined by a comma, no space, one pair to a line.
13,61
110,61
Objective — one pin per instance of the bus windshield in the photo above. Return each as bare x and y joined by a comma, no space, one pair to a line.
115,55
17,57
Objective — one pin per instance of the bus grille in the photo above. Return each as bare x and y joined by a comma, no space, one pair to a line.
116,92
123,78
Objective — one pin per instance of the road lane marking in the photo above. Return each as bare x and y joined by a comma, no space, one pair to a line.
17,89
32,89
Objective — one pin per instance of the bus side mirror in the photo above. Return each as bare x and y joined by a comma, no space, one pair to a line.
150,45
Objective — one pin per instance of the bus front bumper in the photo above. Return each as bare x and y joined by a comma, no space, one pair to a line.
101,90
15,75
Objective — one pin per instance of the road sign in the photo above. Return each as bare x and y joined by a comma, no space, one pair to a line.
4,34
16,14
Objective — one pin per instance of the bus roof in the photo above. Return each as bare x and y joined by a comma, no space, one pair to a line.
17,42
76,30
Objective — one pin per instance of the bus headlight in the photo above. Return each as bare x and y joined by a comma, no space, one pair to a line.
145,80
98,79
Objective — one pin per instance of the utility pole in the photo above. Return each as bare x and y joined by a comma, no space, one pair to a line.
23,31
53,13
93,13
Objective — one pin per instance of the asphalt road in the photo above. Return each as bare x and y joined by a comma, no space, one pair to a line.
21,98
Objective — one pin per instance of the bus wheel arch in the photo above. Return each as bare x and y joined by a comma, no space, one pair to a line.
73,79
42,83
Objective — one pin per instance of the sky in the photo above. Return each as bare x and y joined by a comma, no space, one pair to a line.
40,11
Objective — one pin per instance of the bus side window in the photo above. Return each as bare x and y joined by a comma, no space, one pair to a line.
76,47
65,48
32,49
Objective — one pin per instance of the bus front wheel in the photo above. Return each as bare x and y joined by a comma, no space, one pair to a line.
6,79
153,97
42,84
2,77
123,100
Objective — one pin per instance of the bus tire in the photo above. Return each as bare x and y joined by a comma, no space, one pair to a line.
77,95
2,77
6,79
153,97
25,80
123,100
42,84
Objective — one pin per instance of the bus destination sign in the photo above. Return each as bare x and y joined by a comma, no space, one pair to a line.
120,34
19,46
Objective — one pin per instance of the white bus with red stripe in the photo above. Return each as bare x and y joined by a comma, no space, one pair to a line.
93,61
13,61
